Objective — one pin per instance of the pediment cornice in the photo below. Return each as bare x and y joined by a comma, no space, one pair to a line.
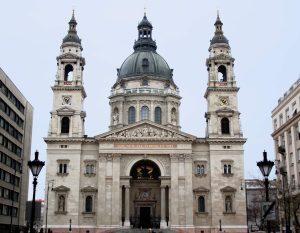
61,188
145,130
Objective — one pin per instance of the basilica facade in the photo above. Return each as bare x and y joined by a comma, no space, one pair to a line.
145,172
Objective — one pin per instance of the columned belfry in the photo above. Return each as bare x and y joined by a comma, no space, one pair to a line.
67,115
144,172
222,110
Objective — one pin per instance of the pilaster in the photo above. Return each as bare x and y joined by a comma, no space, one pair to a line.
173,197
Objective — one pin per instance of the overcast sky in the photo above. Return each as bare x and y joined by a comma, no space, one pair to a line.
264,37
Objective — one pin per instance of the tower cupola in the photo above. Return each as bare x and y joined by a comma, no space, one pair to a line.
219,37
72,36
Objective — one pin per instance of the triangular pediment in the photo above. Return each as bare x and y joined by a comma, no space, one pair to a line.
89,189
65,110
228,189
145,130
201,189
61,188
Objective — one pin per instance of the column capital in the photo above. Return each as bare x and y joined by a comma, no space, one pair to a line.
174,157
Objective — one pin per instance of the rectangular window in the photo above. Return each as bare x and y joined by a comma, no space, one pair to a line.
275,124
294,108
63,168
292,158
287,114
280,120
298,154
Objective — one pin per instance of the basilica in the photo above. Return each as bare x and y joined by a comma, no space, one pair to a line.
145,172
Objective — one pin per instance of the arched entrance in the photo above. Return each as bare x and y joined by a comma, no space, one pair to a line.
145,195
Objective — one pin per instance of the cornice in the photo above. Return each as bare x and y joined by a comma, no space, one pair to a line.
69,139
286,125
145,94
226,140
220,89
69,88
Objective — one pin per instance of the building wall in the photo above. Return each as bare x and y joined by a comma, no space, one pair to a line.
286,122
24,144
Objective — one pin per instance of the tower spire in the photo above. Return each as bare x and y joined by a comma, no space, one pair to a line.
219,35
72,32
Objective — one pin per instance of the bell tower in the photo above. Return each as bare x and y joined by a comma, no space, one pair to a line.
222,114
67,115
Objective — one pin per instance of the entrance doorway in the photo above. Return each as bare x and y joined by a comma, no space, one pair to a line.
145,191
145,217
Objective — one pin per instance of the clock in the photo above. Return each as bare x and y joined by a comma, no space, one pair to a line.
224,101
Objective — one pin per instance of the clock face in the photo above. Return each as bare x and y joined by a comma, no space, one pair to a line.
224,101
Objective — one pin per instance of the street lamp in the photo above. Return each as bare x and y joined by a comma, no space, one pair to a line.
265,167
35,166
49,181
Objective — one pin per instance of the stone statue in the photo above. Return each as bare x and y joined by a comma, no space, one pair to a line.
61,203
173,117
115,118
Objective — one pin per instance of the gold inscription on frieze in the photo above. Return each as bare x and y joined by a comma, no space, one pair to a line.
142,145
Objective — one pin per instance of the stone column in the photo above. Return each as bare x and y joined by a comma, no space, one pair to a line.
58,125
287,156
71,126
101,190
163,223
127,200
295,159
173,194
189,202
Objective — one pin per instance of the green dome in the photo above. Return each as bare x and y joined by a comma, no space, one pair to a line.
145,62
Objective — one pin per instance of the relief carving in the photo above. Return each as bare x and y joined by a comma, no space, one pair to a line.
146,132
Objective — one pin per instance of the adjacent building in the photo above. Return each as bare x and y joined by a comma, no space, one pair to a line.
286,125
39,213
255,197
145,172
15,144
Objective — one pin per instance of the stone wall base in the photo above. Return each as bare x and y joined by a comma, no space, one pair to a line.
177,230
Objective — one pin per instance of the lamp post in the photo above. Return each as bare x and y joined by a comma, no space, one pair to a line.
70,227
35,166
50,181
265,167
282,171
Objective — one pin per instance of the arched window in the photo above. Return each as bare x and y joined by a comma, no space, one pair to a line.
198,170
131,115
61,203
201,204
225,126
145,62
202,170
88,204
68,72
144,113
228,204
157,113
229,169
225,169
222,73
65,125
